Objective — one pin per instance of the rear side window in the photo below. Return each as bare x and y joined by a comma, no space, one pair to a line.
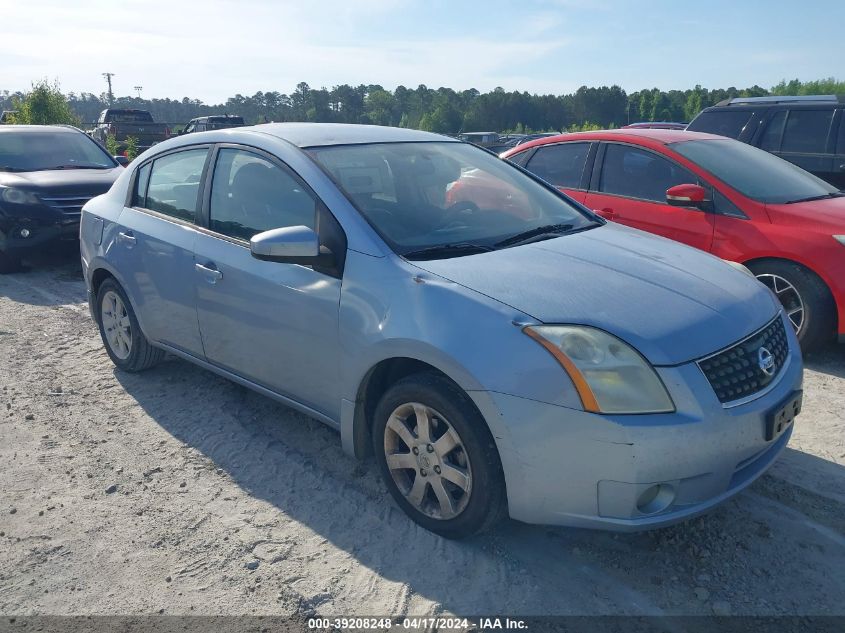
250,195
141,182
636,173
770,141
560,165
840,147
728,123
174,184
806,131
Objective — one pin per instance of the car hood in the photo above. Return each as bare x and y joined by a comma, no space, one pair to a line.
671,302
63,181
830,212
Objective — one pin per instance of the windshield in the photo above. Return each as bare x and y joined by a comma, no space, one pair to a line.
50,149
754,173
429,195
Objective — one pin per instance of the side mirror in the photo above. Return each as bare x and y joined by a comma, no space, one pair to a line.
122,160
290,245
694,196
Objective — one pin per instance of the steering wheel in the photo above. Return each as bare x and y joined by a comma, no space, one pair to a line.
457,214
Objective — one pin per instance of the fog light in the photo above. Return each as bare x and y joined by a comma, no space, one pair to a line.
655,498
24,233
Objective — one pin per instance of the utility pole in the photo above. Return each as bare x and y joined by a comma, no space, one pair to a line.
108,77
139,89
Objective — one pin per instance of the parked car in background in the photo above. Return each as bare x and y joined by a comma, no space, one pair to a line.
47,173
655,125
122,123
719,195
482,139
547,364
213,122
807,130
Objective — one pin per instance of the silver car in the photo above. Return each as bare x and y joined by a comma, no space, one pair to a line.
499,348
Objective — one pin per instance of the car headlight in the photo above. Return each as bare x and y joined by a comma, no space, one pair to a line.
18,196
610,375
840,239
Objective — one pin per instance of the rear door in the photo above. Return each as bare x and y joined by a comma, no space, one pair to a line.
156,243
803,136
563,165
629,186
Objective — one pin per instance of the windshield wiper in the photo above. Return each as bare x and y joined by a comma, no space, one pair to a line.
74,167
832,194
541,232
441,251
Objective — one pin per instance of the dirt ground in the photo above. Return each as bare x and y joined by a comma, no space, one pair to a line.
177,492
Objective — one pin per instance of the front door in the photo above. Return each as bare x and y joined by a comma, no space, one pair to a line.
274,324
632,191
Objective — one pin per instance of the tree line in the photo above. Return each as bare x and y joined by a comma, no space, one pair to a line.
442,109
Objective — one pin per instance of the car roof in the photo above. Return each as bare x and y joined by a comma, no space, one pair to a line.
636,135
40,128
319,134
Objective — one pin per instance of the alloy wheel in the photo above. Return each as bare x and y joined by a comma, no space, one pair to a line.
427,461
116,325
788,296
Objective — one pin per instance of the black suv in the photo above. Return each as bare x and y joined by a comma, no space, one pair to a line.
808,131
47,172
214,122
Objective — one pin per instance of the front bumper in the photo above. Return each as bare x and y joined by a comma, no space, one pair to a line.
567,467
43,225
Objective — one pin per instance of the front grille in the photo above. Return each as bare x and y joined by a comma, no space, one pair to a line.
737,372
69,206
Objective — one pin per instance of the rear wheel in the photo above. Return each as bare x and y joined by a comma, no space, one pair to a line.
805,299
125,343
437,456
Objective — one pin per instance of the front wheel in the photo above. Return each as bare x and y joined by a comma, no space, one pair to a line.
125,343
805,299
437,456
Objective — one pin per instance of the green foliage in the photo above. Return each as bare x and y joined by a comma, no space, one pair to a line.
131,148
440,110
44,105
111,144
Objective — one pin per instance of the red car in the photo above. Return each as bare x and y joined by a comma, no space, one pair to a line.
725,197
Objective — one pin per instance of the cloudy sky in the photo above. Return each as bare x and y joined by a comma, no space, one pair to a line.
213,49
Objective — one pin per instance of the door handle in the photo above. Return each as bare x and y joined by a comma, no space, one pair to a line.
607,213
127,238
842,167
212,275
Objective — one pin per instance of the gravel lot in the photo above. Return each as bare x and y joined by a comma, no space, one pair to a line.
178,492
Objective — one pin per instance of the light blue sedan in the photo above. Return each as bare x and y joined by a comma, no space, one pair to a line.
498,348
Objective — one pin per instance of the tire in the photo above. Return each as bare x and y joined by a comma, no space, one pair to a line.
804,296
479,502
122,337
9,263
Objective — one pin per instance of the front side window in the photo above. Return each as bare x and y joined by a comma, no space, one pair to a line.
728,123
249,195
46,150
436,195
174,184
754,173
561,165
806,131
636,173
